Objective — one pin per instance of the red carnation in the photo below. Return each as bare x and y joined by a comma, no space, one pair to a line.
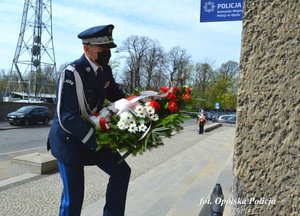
188,90
164,89
172,106
103,124
155,105
175,89
186,97
171,96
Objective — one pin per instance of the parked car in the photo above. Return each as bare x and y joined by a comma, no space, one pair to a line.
227,119
29,115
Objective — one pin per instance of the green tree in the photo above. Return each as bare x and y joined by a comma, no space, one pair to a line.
211,86
230,71
202,81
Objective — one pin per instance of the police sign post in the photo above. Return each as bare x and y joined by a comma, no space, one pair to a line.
221,10
217,106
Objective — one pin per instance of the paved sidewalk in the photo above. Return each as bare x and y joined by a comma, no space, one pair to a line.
169,180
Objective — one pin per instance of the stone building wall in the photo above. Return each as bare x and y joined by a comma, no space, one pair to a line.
267,148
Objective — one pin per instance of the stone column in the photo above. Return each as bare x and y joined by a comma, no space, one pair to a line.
267,148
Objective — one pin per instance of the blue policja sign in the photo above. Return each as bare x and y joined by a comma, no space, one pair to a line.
221,10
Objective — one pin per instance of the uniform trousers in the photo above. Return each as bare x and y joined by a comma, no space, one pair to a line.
201,128
72,176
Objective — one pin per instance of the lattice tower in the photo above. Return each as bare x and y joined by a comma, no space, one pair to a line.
33,72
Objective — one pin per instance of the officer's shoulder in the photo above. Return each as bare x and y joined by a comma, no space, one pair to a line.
70,68
68,73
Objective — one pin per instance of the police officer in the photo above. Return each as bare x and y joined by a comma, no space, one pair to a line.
82,88
201,121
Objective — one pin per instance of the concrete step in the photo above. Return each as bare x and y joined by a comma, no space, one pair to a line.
16,179
38,163
175,187
26,167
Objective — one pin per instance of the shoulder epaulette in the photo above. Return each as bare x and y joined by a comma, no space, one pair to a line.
71,68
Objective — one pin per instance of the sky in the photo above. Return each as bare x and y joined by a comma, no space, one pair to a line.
171,22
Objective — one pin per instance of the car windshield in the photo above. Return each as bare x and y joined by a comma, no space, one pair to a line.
25,109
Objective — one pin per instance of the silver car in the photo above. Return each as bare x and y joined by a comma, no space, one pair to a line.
227,119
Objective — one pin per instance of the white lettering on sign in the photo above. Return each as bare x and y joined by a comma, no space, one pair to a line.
222,16
235,15
229,5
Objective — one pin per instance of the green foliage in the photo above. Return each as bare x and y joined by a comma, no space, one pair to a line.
137,143
211,86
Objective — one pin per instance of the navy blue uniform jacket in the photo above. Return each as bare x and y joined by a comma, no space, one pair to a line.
70,139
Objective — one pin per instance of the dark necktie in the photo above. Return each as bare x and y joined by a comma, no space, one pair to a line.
99,77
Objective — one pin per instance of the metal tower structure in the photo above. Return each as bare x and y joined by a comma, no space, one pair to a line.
33,72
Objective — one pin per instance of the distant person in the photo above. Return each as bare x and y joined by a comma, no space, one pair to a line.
201,120
214,118
82,89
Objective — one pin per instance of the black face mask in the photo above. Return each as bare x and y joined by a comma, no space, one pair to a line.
103,57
